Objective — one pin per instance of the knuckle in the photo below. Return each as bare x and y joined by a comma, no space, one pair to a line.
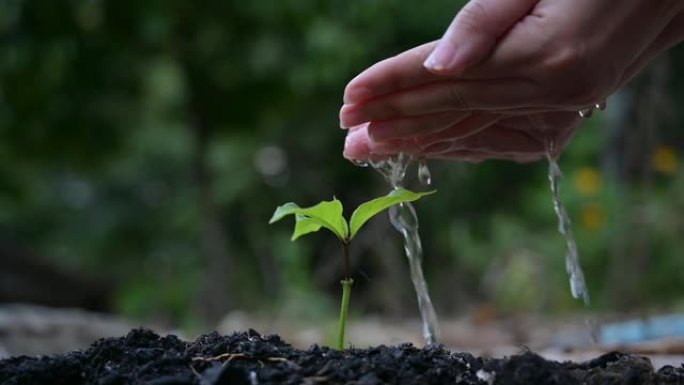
565,58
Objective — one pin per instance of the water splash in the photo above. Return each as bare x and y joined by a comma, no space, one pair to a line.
404,219
578,285
424,173
359,163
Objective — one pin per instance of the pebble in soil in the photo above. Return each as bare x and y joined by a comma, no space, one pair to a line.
248,358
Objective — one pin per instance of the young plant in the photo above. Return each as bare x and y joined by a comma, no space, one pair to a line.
328,214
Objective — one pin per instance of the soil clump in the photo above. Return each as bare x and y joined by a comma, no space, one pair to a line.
248,358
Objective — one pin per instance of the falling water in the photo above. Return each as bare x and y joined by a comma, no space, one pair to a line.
578,286
404,219
424,173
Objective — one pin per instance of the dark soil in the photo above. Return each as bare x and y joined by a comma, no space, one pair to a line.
143,357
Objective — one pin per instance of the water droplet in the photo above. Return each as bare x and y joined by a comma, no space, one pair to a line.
359,162
424,173
586,112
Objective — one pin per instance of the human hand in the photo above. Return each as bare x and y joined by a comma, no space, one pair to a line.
552,58
521,138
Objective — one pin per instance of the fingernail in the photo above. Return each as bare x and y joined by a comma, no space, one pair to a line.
373,132
356,95
356,145
379,131
349,116
441,58
343,121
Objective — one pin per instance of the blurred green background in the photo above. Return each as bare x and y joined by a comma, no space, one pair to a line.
145,144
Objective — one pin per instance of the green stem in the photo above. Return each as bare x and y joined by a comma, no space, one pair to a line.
345,248
346,292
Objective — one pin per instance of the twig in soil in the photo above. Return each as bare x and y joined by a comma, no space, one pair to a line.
278,359
229,356
314,379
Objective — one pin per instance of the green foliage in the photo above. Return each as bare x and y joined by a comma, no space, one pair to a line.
369,209
311,219
99,142
329,214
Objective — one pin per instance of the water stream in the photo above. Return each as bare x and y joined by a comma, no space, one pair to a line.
424,173
404,219
578,286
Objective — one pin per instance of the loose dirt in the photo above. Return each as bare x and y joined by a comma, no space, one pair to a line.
143,357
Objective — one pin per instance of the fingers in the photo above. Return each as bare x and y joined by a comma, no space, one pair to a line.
356,144
541,123
478,20
359,145
393,129
406,71
444,96
474,156
495,139
495,142
439,141
555,128
476,138
396,73
474,32
457,133
520,138
417,145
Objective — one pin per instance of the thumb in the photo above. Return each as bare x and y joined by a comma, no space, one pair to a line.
472,35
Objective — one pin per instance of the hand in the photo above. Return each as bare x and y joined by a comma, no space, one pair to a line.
523,138
559,55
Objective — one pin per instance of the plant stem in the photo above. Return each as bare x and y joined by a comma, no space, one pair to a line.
346,292
345,248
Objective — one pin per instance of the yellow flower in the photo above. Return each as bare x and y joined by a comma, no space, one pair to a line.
593,216
665,160
587,181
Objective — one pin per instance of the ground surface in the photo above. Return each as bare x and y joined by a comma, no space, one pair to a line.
143,357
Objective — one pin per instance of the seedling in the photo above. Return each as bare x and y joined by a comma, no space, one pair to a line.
328,214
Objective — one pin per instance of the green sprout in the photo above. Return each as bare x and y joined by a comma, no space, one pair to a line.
328,214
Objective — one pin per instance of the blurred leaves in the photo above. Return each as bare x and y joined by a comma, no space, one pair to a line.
102,103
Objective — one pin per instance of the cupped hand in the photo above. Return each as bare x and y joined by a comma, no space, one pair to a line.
507,58
522,138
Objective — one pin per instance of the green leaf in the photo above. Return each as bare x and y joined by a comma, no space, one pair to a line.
326,214
305,225
369,209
